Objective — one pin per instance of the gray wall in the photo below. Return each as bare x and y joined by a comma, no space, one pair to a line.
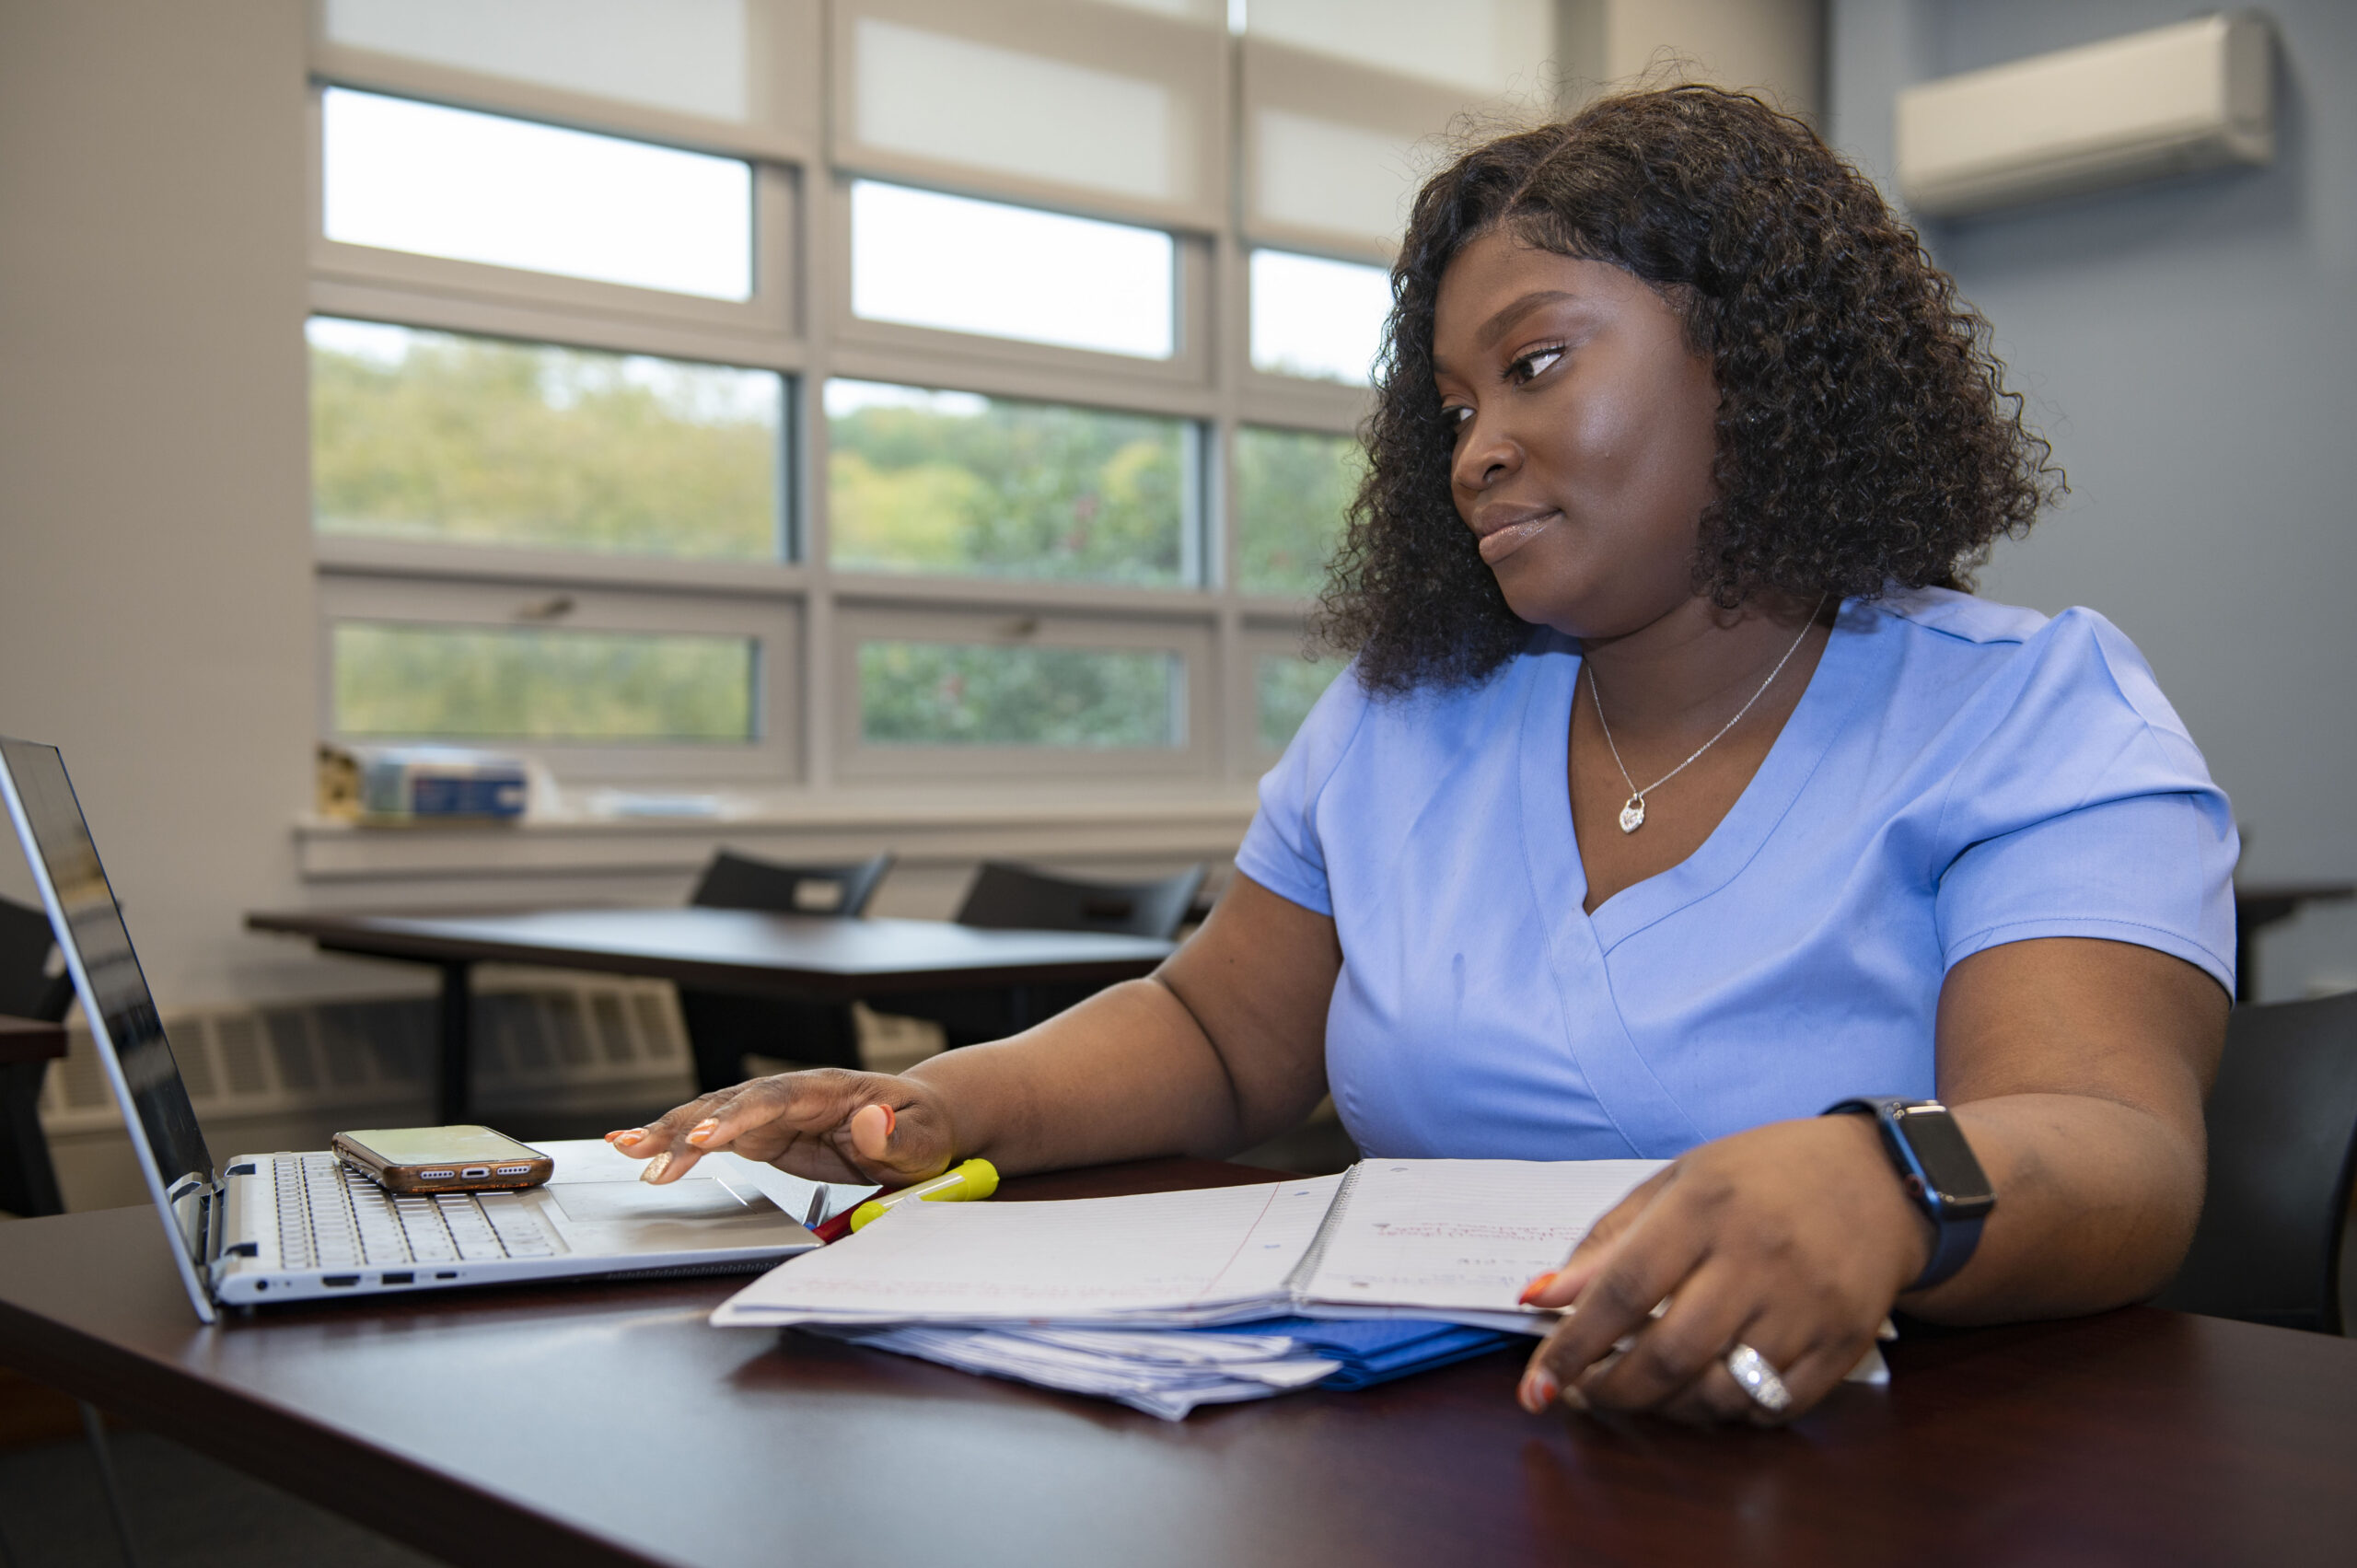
2190,348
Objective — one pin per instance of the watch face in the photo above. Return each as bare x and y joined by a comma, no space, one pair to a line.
1946,1159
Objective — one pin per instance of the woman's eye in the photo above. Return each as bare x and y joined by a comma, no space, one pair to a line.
1536,363
1457,415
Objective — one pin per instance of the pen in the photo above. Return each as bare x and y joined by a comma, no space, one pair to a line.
962,1183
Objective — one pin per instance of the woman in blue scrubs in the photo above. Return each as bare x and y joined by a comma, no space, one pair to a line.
1679,791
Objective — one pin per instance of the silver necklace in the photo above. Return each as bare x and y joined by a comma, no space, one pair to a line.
1633,814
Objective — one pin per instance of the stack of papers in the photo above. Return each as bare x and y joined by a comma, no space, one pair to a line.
1447,1240
1168,1372
1170,1300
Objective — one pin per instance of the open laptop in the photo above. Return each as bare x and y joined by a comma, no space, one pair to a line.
301,1226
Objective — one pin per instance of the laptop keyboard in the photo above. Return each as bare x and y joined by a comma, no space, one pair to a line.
330,1216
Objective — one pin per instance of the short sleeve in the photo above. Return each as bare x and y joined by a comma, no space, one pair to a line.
2088,811
1283,850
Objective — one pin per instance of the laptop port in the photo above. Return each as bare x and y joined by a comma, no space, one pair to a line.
446,1273
339,1279
476,1172
397,1279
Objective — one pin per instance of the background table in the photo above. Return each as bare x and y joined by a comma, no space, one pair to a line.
814,958
610,1425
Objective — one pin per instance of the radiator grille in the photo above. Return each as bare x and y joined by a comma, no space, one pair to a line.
529,1041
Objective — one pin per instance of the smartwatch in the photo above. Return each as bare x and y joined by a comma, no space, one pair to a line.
1936,1166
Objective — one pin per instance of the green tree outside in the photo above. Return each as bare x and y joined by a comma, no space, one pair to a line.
404,680
1292,489
434,436
963,485
924,693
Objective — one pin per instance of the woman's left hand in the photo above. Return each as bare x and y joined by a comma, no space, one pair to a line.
1792,1238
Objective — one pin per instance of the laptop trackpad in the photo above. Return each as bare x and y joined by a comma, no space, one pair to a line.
629,1217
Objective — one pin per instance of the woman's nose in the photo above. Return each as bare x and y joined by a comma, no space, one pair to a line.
1487,456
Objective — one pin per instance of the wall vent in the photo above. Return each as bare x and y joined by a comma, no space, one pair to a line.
592,1042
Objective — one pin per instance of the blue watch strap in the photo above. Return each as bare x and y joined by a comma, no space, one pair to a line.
1955,1227
1954,1240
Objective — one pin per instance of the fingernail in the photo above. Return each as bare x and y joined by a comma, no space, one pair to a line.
628,1140
1538,1389
1574,1398
703,1129
888,1120
656,1168
1537,1284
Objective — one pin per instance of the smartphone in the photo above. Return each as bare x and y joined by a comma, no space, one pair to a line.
442,1159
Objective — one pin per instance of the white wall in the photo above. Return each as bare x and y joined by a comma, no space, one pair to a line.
2188,348
154,582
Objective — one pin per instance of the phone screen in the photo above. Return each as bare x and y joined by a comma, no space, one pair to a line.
441,1146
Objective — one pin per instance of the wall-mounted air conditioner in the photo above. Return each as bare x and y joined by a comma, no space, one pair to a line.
2195,95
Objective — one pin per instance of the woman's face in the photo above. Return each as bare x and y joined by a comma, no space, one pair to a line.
1584,431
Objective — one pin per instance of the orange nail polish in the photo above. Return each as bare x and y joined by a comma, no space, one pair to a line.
628,1139
703,1129
889,1121
1537,1284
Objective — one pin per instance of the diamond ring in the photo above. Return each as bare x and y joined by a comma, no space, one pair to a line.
1756,1377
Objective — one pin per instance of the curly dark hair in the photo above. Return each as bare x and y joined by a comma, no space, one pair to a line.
1865,436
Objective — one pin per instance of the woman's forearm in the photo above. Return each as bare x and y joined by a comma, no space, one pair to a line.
2096,1202
1126,1074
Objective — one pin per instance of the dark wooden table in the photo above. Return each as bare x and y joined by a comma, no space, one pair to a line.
814,958
28,1180
609,1424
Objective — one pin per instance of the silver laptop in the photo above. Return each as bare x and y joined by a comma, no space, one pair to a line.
293,1227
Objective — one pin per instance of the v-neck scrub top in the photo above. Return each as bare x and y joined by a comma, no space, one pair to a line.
1960,775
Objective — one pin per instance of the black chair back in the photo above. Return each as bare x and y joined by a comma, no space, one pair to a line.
722,1029
735,882
2283,1124
26,988
1014,898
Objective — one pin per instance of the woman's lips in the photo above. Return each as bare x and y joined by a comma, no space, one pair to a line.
1502,542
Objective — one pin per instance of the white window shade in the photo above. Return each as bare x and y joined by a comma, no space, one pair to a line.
1483,48
1335,152
685,56
741,75
1071,102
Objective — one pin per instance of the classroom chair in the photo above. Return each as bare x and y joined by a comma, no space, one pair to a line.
2283,1123
723,1029
1017,898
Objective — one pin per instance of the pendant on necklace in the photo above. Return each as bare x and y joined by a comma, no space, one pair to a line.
1632,816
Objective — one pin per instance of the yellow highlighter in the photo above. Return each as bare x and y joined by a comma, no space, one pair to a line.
975,1179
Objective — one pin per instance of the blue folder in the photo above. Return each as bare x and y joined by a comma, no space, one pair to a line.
1376,1349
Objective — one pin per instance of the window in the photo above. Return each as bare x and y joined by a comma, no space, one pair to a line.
960,484
396,681
926,260
437,436
925,392
1316,318
399,175
1292,489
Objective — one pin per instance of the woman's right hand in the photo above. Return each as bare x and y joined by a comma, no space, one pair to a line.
827,1124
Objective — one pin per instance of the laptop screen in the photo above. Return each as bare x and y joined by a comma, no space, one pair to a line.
115,999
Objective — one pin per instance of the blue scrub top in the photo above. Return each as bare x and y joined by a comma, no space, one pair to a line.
1958,775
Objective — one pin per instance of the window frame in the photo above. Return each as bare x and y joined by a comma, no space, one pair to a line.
477,604
810,613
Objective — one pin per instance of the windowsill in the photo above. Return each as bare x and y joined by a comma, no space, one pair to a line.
919,828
